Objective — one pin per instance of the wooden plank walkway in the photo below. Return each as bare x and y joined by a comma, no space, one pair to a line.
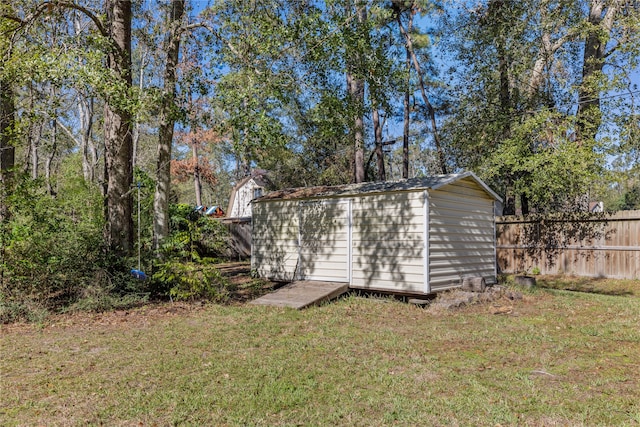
302,294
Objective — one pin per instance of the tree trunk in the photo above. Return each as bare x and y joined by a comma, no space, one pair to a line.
377,131
88,148
543,62
497,21
34,133
524,204
196,175
600,24
53,128
505,96
48,165
545,56
407,110
243,164
356,93
167,122
7,150
85,113
117,136
505,91
355,87
431,114
509,207
35,136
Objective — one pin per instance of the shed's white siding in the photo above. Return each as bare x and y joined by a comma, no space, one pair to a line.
418,239
388,242
324,240
461,235
274,246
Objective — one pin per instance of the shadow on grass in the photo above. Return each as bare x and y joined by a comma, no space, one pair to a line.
592,286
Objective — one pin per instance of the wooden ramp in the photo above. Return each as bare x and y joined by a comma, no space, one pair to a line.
302,294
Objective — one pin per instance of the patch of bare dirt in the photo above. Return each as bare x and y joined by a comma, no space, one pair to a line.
236,270
245,288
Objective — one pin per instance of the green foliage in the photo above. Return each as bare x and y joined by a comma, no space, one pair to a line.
14,311
52,246
513,114
147,185
52,253
193,236
99,298
629,200
553,172
187,281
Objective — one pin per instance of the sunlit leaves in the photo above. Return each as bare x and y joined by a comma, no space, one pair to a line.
525,111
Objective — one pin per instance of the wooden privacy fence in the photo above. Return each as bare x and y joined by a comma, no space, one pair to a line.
594,245
239,241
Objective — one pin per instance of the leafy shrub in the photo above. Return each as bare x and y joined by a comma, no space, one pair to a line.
51,247
194,236
52,253
188,281
53,257
14,311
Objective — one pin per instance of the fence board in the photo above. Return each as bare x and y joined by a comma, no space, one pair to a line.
594,246
239,242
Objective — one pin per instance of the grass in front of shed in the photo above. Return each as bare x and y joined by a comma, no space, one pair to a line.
558,358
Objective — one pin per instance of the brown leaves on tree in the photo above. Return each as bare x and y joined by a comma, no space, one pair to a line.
199,137
183,170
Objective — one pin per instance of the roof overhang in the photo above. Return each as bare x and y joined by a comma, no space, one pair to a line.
459,176
434,182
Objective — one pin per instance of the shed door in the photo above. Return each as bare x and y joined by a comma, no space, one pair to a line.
324,241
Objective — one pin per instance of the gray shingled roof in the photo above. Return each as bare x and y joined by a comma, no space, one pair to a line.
427,183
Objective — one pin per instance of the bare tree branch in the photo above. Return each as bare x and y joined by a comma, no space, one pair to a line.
48,6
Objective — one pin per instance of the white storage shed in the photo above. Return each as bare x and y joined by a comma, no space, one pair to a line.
415,236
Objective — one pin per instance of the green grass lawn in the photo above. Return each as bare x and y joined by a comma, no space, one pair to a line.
557,358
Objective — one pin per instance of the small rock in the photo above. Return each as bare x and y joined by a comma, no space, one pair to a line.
526,282
474,284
